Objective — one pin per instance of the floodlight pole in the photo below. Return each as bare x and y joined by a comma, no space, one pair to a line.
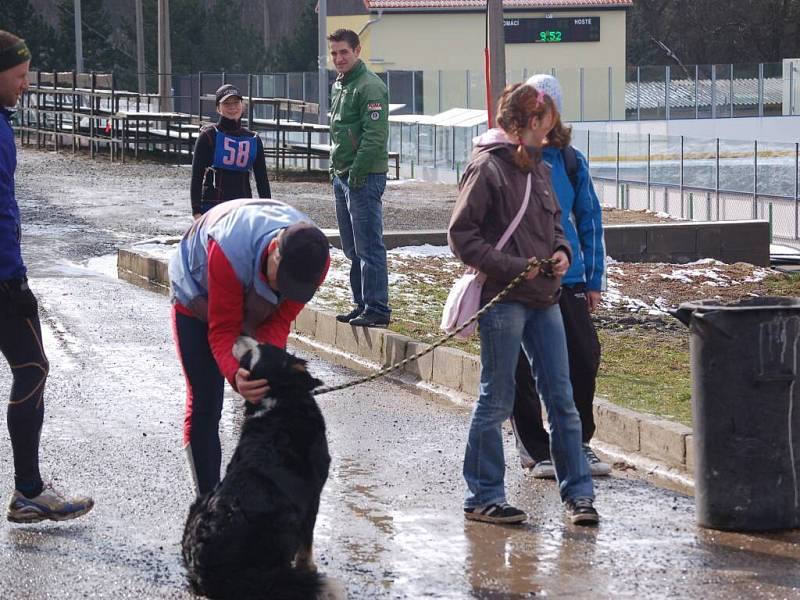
497,53
322,60
78,38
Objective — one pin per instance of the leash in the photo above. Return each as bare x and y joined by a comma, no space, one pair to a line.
502,294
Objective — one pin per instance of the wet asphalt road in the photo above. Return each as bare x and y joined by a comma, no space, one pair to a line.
390,524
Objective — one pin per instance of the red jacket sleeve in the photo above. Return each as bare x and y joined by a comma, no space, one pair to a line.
225,311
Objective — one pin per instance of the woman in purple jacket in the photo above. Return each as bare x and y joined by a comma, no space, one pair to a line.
506,167
581,289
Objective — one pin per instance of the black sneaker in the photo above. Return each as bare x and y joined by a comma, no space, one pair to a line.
349,316
495,513
581,511
370,320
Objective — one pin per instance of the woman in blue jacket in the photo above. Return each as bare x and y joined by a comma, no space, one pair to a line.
581,217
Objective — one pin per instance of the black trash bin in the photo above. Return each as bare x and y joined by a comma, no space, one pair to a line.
745,360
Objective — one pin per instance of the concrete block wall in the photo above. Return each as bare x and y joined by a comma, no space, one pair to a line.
682,242
727,241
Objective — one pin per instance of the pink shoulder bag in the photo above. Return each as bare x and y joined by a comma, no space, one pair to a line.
464,298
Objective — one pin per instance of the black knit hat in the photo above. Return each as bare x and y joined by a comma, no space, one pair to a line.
14,55
304,257
228,91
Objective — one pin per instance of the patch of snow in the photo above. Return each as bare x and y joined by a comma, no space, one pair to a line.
784,250
398,182
758,275
424,250
105,265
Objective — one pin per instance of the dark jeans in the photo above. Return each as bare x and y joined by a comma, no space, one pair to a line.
204,390
21,344
583,349
359,213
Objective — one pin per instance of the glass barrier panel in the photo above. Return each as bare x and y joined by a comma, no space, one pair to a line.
699,163
745,90
665,160
633,158
724,91
652,92
603,154
776,169
773,89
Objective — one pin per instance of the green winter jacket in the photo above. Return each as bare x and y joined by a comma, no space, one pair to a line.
359,125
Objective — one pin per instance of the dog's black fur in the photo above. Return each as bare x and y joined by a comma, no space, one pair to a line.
252,536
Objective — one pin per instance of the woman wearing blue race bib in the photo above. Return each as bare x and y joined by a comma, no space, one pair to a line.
224,155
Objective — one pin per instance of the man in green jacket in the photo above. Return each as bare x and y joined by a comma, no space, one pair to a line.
359,161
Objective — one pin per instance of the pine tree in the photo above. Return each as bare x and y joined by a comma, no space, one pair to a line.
46,46
298,52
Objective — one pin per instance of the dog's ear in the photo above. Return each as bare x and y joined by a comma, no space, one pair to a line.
243,345
304,378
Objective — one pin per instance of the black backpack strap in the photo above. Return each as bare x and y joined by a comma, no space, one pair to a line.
571,163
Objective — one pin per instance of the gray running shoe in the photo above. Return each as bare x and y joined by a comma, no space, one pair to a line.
50,504
597,467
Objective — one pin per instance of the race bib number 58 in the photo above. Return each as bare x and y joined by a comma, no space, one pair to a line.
234,153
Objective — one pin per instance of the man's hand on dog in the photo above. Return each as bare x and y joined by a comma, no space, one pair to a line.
252,391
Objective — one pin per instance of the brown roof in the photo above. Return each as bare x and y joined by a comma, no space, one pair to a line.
507,4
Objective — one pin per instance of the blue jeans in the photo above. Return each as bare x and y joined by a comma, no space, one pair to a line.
359,212
541,333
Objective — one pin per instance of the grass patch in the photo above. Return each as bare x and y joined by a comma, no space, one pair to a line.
783,285
647,371
642,368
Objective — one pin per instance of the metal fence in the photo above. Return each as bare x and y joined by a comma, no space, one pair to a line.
688,178
698,179
591,94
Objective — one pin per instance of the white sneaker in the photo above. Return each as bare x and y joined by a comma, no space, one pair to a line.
597,467
50,504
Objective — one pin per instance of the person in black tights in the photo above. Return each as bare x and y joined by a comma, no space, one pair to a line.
20,330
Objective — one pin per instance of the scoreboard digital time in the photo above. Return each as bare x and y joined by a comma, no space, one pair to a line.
552,31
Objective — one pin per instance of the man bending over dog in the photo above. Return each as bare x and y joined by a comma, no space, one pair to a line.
245,267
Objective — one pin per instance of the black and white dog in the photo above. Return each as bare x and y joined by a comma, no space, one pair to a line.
252,536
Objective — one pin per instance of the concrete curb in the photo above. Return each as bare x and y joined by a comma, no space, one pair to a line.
446,372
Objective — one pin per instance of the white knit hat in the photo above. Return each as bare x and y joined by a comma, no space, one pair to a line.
547,84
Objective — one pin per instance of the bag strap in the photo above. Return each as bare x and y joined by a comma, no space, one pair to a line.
513,225
571,165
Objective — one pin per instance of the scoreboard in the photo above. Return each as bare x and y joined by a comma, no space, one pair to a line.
552,31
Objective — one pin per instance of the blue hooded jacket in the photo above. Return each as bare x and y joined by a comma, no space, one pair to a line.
581,217
11,265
